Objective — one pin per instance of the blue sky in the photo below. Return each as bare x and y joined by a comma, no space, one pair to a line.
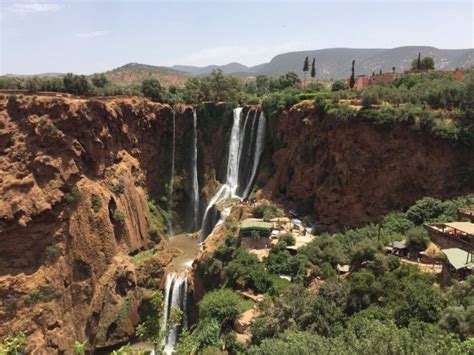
38,36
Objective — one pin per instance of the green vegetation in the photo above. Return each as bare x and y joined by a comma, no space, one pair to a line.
41,294
73,196
267,211
152,328
96,202
381,298
119,216
152,89
142,256
52,251
223,305
156,221
427,63
124,311
117,188
80,348
13,344
47,128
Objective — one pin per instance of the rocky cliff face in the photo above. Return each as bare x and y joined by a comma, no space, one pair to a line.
75,179
353,173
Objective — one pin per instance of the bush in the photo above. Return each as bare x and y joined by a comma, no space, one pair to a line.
117,188
41,294
13,344
369,98
119,216
288,238
12,98
266,211
52,251
417,239
96,203
223,305
73,196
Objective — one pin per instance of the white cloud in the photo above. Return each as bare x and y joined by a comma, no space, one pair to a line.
27,7
92,34
243,54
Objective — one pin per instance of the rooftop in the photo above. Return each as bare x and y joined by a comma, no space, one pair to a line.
459,258
465,227
249,225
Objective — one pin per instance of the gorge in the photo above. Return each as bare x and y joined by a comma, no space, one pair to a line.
93,182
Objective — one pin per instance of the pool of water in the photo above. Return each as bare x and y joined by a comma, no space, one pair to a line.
188,249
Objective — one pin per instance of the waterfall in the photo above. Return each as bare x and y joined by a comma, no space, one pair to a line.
170,197
245,149
195,183
259,145
176,289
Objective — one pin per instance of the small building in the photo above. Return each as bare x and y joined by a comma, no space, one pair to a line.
363,81
255,234
452,235
398,248
343,269
458,265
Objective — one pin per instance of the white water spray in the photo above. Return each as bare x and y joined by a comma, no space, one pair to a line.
235,158
195,183
176,289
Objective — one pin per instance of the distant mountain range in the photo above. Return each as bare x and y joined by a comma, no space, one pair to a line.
335,63
331,63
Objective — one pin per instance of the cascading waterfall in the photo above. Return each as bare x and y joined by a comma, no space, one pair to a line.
176,290
195,183
245,149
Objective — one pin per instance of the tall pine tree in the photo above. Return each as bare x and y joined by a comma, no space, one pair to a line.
313,69
352,79
305,69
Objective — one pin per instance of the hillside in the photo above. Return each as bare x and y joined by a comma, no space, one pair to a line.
335,63
135,73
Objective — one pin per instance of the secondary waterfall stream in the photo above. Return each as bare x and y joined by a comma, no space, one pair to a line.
245,148
246,145
195,183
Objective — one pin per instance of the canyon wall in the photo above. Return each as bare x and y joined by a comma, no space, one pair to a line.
75,183
78,179
351,173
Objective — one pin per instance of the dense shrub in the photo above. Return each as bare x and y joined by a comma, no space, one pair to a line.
96,203
223,305
266,211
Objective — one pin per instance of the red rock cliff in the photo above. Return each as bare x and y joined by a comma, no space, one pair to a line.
74,182
354,173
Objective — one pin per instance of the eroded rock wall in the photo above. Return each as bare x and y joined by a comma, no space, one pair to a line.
354,173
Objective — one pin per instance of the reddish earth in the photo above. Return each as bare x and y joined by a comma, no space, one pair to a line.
65,269
351,174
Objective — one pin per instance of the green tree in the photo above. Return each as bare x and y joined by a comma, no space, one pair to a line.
313,69
417,239
76,84
305,70
152,89
338,85
100,80
152,328
223,305
352,78
33,84
419,302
